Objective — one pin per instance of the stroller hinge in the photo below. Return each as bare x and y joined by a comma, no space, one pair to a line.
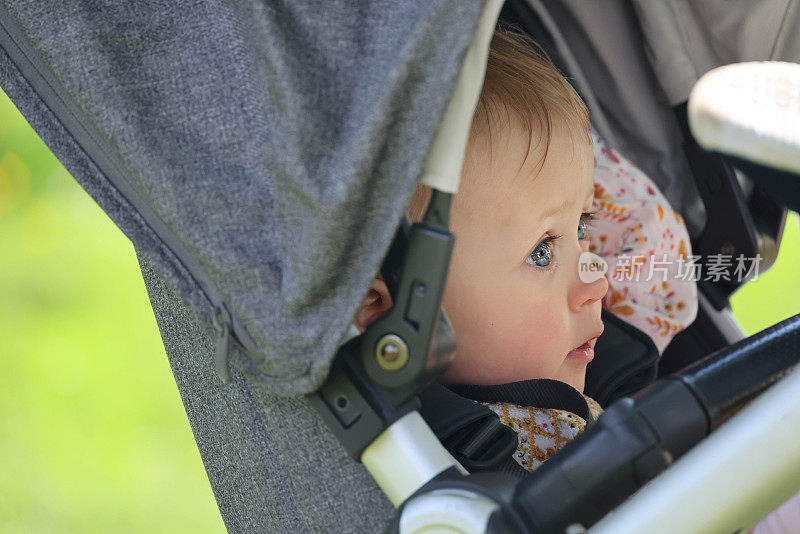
222,323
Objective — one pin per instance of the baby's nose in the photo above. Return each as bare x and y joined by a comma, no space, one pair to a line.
591,284
596,290
599,288
585,294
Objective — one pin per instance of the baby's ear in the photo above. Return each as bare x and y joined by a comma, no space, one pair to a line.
376,304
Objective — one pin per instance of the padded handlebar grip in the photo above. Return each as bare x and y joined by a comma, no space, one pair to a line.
728,379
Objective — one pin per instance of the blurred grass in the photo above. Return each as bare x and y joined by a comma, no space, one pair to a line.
93,435
775,295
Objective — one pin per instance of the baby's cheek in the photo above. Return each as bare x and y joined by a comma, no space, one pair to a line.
540,331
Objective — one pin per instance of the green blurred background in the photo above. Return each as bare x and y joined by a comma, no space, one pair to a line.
93,435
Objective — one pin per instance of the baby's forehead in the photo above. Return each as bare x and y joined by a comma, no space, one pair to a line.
505,161
510,138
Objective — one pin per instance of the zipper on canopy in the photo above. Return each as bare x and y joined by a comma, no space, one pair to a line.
222,323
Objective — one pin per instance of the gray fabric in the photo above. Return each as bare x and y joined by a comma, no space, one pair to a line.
606,40
686,39
279,142
641,58
272,463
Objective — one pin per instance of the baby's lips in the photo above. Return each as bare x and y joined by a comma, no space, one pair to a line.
591,267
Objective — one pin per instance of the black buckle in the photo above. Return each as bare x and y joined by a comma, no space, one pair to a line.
482,444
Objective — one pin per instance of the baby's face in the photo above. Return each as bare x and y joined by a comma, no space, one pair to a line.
513,293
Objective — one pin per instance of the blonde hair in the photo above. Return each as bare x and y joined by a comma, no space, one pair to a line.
522,82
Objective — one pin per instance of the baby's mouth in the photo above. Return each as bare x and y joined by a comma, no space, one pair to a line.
584,353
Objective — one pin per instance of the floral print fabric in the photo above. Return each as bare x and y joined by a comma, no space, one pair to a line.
541,432
646,245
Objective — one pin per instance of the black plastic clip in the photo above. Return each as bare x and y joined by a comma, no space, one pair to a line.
483,444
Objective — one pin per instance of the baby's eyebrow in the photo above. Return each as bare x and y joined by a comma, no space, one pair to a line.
556,209
564,205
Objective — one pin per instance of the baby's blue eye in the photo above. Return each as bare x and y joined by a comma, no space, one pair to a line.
541,255
581,230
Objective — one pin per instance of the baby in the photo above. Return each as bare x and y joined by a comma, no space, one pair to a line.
521,218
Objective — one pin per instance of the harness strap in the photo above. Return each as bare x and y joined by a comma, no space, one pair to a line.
471,432
540,393
474,434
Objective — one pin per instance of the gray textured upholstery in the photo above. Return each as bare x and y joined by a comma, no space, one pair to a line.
273,465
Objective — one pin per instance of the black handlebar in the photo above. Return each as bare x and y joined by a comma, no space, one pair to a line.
635,439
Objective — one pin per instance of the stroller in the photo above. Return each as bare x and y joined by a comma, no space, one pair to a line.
260,158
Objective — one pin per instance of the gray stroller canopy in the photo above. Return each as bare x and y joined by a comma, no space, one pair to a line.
260,155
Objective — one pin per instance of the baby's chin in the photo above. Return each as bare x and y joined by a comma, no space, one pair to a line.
574,375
